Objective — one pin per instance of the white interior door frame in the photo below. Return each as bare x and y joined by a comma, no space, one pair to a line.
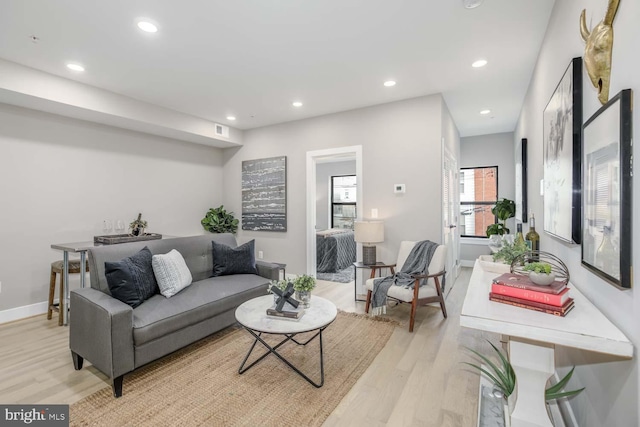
313,157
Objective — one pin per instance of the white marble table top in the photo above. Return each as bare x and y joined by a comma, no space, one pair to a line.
253,315
584,327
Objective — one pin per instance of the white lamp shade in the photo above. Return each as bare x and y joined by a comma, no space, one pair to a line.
369,231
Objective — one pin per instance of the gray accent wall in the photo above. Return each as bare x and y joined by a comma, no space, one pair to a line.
489,150
611,396
401,145
324,172
61,177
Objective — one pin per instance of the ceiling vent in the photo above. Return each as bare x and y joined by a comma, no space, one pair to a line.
222,130
470,4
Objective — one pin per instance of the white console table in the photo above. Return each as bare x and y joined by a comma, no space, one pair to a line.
532,337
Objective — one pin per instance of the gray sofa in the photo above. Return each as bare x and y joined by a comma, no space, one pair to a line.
117,339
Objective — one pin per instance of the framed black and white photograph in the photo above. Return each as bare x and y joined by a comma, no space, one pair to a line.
264,194
521,181
607,200
562,144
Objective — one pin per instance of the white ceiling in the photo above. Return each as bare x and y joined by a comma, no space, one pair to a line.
251,59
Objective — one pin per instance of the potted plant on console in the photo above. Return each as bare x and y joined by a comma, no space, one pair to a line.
303,286
218,220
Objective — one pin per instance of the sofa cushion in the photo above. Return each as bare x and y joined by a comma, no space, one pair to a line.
238,260
172,273
131,280
159,316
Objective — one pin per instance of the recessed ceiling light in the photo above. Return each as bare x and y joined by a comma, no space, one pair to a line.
297,104
485,112
390,83
231,118
479,63
147,26
75,67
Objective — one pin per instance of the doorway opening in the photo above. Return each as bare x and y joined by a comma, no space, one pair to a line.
336,204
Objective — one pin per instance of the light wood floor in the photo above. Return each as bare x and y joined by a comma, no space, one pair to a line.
416,380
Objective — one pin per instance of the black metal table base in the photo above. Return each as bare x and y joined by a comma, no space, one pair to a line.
273,350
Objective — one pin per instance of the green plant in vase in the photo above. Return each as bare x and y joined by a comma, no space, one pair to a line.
137,226
503,377
303,285
540,273
510,251
503,210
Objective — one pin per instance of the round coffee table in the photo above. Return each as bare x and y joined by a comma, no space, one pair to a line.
317,317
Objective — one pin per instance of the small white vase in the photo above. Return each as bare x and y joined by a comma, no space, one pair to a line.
542,279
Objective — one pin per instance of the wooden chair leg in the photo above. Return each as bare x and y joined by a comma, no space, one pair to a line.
414,304
62,305
52,291
441,295
368,302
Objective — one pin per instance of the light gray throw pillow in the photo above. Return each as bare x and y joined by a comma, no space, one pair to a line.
172,273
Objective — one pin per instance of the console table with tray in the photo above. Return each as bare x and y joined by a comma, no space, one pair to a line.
82,248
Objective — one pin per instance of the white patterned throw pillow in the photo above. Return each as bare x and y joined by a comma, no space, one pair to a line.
172,273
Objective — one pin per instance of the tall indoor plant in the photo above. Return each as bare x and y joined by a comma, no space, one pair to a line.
218,220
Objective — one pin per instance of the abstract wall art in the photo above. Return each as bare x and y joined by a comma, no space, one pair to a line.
562,144
264,194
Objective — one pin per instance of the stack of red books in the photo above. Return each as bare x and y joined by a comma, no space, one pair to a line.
520,291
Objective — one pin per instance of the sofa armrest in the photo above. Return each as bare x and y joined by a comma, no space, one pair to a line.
101,331
269,270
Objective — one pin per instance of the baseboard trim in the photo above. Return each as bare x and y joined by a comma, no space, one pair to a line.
467,263
23,312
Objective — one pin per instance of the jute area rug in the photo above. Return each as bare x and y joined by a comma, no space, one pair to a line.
200,384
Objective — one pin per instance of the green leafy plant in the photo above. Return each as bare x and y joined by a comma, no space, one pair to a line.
504,377
218,220
538,267
510,251
503,210
304,283
501,373
555,391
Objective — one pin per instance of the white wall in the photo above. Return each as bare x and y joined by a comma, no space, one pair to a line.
324,172
60,178
611,395
401,145
490,150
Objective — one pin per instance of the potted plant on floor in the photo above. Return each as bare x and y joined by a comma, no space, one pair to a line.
303,286
218,220
540,273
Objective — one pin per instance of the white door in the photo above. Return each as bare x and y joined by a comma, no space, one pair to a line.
450,210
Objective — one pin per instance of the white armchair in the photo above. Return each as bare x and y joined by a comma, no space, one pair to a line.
430,293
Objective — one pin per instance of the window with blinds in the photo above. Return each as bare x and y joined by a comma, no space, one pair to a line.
478,194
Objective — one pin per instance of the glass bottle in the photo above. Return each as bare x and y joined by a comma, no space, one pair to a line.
532,237
519,241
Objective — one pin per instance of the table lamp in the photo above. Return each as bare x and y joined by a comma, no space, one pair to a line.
368,232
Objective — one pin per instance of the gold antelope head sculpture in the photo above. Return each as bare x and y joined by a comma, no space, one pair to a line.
597,52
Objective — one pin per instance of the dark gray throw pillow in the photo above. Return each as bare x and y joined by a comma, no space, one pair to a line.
239,260
131,280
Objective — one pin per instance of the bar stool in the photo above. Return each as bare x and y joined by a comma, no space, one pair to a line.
57,268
